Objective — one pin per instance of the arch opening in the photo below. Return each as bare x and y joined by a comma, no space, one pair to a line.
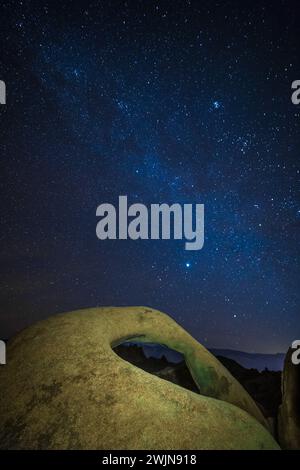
159,360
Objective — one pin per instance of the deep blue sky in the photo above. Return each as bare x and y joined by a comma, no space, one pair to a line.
171,101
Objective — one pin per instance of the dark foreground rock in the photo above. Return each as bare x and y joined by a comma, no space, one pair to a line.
264,387
289,413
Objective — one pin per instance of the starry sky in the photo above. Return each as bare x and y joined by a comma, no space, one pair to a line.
162,101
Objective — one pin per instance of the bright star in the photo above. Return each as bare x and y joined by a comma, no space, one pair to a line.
187,265
216,104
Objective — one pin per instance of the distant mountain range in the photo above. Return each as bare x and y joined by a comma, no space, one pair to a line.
257,361
272,362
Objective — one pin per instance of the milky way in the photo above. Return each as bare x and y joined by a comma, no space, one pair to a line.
175,102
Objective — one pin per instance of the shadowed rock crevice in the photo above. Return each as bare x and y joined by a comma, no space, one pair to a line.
175,371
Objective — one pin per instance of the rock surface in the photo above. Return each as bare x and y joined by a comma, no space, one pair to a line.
64,388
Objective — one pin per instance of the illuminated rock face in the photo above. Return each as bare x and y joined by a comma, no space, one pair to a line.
64,387
289,412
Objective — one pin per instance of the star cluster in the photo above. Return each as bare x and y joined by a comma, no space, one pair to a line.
172,101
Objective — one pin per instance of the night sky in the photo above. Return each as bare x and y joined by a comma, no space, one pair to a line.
170,101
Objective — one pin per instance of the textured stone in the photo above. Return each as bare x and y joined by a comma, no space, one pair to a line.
64,387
